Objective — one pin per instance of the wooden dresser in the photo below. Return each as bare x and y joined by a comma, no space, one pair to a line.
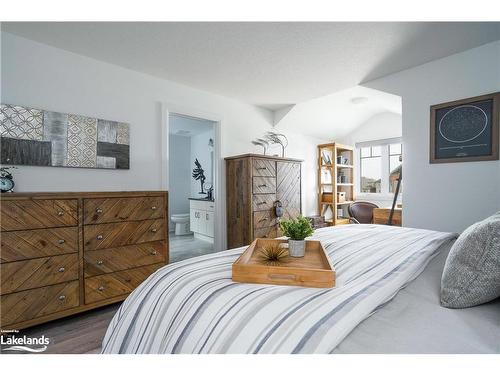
63,253
254,183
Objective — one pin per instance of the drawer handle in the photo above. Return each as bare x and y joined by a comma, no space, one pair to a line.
261,203
100,289
153,208
100,262
128,280
263,185
154,230
99,237
206,216
98,210
154,252
263,219
62,269
60,213
274,276
262,168
62,297
61,241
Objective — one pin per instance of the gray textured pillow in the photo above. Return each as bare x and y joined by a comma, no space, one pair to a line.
471,275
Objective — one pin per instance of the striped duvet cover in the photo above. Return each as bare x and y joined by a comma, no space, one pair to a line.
194,307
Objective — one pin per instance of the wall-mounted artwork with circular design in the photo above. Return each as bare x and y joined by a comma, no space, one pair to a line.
465,130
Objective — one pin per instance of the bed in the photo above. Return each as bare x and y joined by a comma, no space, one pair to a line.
386,301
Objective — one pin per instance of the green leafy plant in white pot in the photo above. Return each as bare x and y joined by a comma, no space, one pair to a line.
296,230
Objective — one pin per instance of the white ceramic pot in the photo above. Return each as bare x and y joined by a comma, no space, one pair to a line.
296,249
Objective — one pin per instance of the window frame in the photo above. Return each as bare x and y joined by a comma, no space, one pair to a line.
361,157
384,194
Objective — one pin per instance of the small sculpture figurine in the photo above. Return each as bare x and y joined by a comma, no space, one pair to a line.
278,138
261,142
199,175
274,138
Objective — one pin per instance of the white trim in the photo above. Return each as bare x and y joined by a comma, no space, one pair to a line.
376,196
384,160
379,142
220,216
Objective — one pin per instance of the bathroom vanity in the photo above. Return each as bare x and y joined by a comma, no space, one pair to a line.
201,218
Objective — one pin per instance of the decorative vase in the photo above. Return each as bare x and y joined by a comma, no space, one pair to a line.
296,249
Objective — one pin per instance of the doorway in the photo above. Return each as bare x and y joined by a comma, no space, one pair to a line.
192,186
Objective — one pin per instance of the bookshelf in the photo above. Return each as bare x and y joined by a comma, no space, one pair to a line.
335,178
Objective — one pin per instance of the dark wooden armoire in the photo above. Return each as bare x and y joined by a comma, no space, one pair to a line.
255,184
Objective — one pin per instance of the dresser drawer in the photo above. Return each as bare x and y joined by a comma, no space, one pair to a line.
263,167
269,232
262,219
98,262
112,210
104,236
203,205
115,284
264,185
261,202
34,273
38,213
34,303
37,243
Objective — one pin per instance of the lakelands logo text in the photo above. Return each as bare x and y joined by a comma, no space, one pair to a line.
25,344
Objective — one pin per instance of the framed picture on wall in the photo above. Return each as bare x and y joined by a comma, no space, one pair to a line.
465,130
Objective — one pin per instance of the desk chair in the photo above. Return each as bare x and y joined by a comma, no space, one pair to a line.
361,212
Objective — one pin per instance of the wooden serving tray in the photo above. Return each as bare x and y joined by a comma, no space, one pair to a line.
313,270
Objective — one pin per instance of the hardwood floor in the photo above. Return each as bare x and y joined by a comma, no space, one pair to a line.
185,247
78,334
83,333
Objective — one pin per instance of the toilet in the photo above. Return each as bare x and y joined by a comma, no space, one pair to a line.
181,222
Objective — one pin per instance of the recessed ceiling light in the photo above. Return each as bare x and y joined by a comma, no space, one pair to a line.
359,100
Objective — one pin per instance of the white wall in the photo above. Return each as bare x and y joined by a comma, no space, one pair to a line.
380,126
200,151
41,76
451,196
179,175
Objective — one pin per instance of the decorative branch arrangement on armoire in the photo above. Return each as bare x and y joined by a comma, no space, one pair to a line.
256,185
64,253
335,182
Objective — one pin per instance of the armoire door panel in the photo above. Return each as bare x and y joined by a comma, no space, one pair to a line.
288,188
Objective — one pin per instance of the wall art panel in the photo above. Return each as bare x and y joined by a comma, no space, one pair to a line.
45,138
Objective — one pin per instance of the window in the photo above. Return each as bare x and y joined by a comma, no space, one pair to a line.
379,166
371,171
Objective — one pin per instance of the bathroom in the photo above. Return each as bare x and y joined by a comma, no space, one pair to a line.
191,186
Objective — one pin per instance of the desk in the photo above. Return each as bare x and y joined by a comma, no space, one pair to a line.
381,216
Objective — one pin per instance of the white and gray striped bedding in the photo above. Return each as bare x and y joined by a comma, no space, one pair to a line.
194,307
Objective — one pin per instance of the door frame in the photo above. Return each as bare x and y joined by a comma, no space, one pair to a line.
171,108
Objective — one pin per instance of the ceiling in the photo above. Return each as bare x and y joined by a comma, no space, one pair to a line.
336,115
272,65
188,126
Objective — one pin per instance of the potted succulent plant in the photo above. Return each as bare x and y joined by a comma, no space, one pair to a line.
296,230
